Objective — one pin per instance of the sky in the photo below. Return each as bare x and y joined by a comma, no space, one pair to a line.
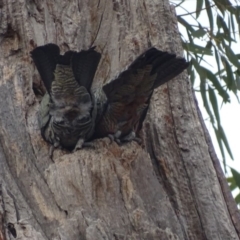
230,112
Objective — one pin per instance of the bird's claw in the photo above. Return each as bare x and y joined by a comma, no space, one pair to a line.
89,145
80,144
56,144
115,137
130,137
111,137
51,150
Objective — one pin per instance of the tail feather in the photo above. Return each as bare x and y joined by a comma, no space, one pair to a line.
84,65
66,58
45,59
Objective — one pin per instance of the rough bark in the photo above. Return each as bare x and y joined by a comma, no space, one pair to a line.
166,189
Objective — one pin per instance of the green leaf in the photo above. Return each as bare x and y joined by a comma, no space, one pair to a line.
219,38
232,25
203,91
197,49
217,59
230,81
230,180
224,21
216,84
225,141
231,56
198,68
220,6
221,24
237,75
214,103
199,33
199,7
227,4
230,85
237,198
192,75
209,44
189,37
220,146
220,72
232,183
233,186
237,16
209,13
185,24
236,176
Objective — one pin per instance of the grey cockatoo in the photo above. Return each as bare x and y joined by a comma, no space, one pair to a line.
70,114
67,113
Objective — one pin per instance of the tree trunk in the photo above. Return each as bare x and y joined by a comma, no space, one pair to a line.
169,188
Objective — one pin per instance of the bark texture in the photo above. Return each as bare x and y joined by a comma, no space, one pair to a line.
167,189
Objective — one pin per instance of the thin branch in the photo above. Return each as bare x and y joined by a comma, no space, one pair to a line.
190,13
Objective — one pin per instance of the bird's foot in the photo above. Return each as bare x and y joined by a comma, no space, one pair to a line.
89,145
132,137
81,144
51,150
115,137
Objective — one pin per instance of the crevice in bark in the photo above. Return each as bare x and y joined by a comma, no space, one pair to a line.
153,140
98,3
2,217
99,26
43,178
16,208
120,184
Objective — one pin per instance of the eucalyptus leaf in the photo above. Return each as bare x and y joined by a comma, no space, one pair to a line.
225,141
185,23
220,146
214,103
231,56
199,7
197,49
237,198
209,13
205,100
199,33
218,35
236,176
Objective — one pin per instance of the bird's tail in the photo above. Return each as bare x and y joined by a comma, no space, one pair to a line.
46,58
84,66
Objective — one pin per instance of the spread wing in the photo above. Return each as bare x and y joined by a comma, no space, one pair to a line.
150,70
128,96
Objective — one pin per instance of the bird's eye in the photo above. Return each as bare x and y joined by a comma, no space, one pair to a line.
59,122
84,119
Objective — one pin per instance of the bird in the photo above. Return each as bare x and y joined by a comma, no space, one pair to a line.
123,102
71,114
67,110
